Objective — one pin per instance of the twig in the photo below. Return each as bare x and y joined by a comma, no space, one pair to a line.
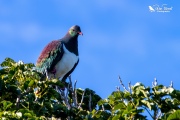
129,87
117,88
63,97
20,95
47,74
18,101
82,99
103,107
75,85
155,114
160,114
90,100
171,85
148,112
122,83
67,91
75,92
154,83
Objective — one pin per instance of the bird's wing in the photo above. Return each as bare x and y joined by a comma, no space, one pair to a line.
49,57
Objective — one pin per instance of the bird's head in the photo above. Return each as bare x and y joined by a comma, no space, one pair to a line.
75,31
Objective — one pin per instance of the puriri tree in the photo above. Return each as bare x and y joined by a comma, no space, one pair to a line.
24,95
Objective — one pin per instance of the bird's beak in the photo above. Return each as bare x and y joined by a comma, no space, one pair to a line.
80,33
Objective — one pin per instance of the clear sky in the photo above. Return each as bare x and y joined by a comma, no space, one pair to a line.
121,37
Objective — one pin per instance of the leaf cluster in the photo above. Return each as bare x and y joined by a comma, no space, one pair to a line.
26,94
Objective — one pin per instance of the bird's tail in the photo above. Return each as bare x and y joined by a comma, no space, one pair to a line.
40,72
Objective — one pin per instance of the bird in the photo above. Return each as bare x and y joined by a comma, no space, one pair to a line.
60,57
151,9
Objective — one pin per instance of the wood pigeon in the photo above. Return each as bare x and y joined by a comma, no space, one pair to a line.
60,57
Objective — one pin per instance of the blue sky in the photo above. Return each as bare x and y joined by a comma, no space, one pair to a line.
120,38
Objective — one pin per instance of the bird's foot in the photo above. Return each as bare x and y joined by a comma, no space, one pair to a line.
59,89
53,71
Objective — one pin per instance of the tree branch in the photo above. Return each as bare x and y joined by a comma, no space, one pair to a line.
82,99
117,88
122,83
90,100
64,98
73,92
148,112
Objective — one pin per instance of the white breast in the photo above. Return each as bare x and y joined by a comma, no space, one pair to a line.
66,63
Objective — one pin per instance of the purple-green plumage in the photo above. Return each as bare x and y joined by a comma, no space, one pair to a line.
60,57
49,55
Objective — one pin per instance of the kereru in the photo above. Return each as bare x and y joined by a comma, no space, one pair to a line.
60,57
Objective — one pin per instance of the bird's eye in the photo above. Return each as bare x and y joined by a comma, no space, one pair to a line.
73,30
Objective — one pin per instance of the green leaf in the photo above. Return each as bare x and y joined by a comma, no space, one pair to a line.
55,82
127,95
144,93
28,115
116,117
31,83
101,102
129,107
119,106
146,103
6,104
174,116
98,114
8,62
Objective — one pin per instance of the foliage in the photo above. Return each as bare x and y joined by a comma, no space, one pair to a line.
26,94
159,101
